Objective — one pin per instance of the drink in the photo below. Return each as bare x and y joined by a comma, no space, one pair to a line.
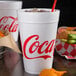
8,16
38,34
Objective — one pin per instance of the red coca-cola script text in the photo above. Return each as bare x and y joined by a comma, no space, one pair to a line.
9,22
49,47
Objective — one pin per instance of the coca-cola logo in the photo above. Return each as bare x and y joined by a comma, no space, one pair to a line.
33,46
9,22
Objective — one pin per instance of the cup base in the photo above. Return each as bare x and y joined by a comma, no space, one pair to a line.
34,72
31,72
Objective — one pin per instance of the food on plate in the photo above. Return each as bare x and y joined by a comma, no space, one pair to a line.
71,41
70,28
61,29
67,34
62,35
71,36
51,72
64,40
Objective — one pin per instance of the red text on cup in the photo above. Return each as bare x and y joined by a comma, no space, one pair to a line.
38,47
9,23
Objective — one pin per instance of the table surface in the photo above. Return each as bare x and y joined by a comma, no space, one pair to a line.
12,65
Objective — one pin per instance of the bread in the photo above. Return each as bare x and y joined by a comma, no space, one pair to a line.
64,33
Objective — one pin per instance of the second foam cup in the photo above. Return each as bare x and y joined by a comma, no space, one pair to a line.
8,16
38,34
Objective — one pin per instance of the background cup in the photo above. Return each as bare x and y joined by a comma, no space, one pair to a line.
38,34
8,16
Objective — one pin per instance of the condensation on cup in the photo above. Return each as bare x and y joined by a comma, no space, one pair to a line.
8,16
38,33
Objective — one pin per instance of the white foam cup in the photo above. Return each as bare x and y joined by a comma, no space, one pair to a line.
38,34
8,16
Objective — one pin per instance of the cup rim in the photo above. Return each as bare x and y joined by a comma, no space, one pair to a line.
9,1
47,10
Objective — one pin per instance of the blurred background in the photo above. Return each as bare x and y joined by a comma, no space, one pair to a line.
67,8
